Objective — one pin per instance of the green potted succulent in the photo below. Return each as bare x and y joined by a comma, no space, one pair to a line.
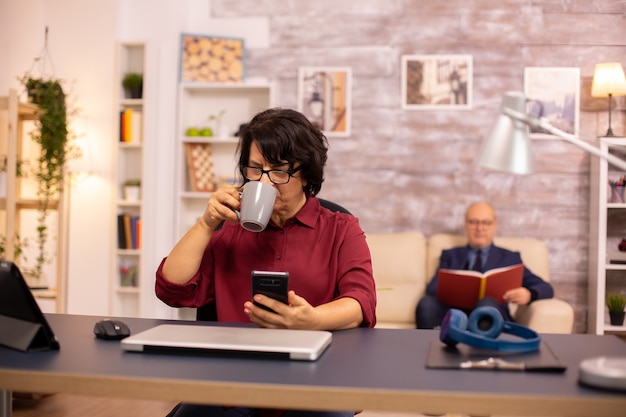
132,188
133,85
616,303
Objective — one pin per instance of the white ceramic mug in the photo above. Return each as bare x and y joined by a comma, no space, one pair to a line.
257,204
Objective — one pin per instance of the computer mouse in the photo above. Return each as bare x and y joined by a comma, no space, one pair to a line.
111,329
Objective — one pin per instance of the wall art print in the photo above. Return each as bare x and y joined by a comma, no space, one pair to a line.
324,97
553,93
436,82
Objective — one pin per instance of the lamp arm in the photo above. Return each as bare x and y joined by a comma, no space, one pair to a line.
544,124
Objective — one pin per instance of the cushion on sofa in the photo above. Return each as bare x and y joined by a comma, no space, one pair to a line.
399,264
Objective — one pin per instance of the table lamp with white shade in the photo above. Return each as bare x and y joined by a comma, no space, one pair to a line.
608,81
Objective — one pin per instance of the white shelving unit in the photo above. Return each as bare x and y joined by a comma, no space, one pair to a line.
607,266
129,156
19,204
197,103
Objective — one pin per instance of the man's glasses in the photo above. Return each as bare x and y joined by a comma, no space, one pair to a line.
476,223
276,176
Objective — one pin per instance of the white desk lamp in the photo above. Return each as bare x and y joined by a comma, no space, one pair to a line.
507,147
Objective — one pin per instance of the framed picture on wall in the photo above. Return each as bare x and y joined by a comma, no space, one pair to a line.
211,59
325,98
436,82
553,93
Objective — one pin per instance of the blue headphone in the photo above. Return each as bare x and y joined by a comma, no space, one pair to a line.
483,327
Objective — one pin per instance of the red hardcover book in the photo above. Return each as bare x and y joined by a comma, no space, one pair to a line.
462,289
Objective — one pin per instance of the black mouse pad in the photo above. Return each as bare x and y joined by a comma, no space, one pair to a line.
467,357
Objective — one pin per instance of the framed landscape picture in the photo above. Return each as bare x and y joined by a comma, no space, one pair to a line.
436,82
324,97
553,93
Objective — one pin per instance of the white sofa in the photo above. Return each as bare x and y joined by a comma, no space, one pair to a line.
404,262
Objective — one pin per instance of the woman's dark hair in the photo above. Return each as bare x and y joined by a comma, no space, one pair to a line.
286,135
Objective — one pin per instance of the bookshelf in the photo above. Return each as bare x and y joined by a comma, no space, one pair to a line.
128,153
19,204
222,108
607,265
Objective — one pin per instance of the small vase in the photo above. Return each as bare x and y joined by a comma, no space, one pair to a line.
136,92
617,318
131,193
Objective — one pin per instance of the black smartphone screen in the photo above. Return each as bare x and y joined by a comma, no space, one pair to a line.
273,284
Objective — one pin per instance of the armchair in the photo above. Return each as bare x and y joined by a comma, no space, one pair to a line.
544,316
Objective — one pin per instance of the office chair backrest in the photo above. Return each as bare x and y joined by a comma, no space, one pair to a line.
208,312
334,207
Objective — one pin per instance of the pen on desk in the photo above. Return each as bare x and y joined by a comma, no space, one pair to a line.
493,363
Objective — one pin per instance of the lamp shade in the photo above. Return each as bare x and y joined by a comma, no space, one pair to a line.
608,78
507,147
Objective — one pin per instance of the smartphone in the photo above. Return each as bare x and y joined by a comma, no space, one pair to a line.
273,284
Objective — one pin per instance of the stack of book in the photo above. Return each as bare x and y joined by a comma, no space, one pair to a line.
128,231
130,126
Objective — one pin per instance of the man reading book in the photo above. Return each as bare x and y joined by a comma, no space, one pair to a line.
481,255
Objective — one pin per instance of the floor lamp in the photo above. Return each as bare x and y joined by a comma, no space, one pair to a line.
507,147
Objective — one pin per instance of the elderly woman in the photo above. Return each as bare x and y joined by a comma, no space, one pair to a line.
325,252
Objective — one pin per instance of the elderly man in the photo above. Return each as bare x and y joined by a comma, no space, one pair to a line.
480,254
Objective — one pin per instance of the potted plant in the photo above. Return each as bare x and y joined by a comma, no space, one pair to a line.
55,149
219,128
132,189
133,85
616,304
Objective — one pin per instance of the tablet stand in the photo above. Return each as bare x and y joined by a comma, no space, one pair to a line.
22,335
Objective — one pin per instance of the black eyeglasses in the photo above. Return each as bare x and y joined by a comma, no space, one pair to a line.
276,176
476,223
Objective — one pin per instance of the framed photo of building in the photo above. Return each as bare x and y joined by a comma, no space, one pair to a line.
436,82
553,93
211,59
325,98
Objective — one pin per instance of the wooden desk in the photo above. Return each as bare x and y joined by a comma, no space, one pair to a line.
374,369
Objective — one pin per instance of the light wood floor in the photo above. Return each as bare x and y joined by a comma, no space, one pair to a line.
65,405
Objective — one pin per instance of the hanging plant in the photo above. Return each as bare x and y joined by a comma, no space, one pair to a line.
52,135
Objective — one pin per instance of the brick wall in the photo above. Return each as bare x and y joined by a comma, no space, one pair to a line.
402,170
